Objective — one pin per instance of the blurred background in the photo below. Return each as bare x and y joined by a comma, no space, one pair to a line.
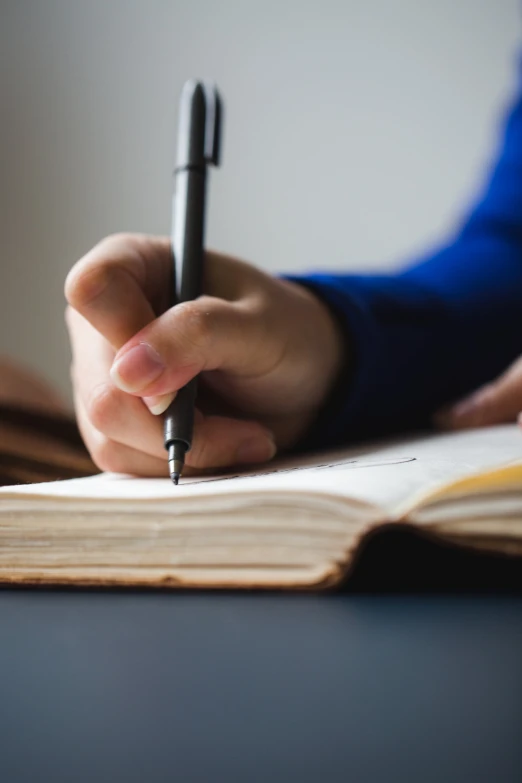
357,131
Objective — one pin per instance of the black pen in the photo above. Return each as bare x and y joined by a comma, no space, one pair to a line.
199,136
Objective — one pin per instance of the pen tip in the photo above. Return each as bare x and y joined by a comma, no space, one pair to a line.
175,469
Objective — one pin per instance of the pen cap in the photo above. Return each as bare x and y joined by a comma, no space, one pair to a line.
200,115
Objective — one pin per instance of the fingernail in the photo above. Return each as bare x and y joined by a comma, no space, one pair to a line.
159,404
137,368
256,450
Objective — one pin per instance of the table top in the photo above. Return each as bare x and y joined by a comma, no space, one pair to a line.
115,686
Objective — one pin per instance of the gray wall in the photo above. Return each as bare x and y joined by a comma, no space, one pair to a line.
356,132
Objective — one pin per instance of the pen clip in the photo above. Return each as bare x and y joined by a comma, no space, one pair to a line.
213,121
200,120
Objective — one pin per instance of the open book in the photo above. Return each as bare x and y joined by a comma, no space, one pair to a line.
294,523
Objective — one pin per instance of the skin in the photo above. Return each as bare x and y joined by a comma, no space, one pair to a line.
268,352
498,402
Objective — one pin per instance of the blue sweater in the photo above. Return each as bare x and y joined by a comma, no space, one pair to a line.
427,335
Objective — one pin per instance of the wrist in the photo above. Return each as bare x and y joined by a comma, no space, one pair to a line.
330,362
324,344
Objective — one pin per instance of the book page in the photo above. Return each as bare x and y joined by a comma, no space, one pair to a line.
385,475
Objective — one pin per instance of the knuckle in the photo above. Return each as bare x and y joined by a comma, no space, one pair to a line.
103,406
199,321
91,274
116,240
116,245
85,282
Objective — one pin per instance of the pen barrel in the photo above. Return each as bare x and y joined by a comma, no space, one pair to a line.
179,416
188,233
198,146
188,255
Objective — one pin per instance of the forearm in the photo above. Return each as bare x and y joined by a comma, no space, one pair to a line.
422,338
445,325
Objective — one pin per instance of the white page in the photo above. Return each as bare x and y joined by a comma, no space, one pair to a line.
385,475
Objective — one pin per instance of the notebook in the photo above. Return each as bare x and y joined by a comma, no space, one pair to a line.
295,523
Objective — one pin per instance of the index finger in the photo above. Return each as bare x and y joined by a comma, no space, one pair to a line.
122,284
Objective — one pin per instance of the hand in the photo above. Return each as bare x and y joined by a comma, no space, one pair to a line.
496,403
268,352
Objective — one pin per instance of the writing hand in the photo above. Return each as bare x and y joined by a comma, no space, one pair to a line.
268,352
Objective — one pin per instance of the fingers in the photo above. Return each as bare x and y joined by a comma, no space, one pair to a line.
206,334
106,408
120,285
123,436
125,281
123,284
128,345
219,442
115,457
496,403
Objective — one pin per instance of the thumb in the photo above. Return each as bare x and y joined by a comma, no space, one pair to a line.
190,338
495,403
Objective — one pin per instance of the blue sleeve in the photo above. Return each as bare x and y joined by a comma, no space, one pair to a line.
425,336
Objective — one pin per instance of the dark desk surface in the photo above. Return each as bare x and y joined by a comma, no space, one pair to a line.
227,687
